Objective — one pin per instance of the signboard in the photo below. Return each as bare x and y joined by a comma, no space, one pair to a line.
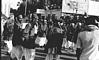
40,11
69,6
93,7
82,6
75,6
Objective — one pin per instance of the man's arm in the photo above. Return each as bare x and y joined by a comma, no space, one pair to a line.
78,47
78,44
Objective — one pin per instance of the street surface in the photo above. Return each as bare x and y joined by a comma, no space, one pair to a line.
40,55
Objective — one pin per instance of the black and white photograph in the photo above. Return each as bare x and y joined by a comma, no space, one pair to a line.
49,29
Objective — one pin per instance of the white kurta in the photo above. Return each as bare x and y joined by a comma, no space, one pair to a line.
89,42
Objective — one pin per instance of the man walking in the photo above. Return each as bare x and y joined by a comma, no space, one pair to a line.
88,41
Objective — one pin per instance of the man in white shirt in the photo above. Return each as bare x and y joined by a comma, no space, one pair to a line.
88,41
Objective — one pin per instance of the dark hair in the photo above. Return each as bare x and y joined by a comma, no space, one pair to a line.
91,20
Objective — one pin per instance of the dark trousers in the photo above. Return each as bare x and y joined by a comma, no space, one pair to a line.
78,53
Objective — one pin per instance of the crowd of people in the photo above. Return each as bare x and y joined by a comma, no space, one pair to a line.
24,30
53,30
50,32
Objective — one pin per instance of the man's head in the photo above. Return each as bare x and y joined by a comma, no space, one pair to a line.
91,20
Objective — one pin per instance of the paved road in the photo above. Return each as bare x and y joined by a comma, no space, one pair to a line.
66,55
40,55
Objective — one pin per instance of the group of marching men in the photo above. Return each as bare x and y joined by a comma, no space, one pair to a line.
23,35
